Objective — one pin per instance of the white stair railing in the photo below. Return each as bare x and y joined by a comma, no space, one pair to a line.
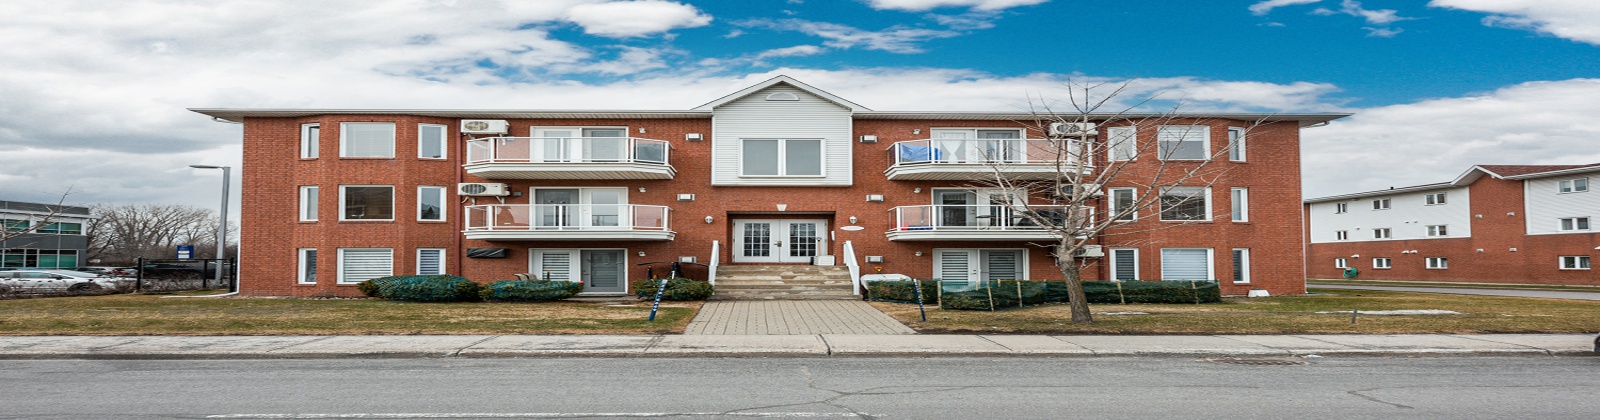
855,269
716,256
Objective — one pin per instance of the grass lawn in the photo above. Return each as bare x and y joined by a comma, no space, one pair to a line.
154,315
1278,315
1314,282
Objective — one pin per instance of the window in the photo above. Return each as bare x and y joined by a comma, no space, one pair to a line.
1342,235
1186,264
366,140
1380,263
1434,199
1185,203
1438,263
366,202
1341,263
1241,265
430,261
61,228
308,203
1125,264
1575,223
361,264
782,157
1341,208
1381,233
1381,204
308,266
310,140
1184,142
430,141
14,225
1575,262
430,204
1122,200
39,258
1123,143
1573,185
1437,230
1241,204
1236,143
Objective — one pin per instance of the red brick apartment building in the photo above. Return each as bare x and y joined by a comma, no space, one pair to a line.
778,173
1492,224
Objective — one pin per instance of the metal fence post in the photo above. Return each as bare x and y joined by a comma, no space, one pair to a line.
138,277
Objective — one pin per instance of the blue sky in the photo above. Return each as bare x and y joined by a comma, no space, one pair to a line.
1435,86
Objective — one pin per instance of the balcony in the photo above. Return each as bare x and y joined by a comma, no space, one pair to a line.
970,159
568,222
976,223
569,158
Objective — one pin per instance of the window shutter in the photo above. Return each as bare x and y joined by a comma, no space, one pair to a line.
1003,265
368,139
358,265
1184,264
953,267
557,264
1125,262
430,261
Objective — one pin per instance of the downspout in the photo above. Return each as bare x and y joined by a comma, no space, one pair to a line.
461,218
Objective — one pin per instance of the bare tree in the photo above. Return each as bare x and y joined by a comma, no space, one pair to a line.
16,228
1092,149
129,231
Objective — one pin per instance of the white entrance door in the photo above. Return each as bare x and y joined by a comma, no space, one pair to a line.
966,268
760,240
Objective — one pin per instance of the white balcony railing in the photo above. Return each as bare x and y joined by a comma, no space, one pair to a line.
567,150
566,217
983,151
938,217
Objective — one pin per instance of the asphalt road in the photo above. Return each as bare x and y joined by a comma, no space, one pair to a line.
900,388
1551,294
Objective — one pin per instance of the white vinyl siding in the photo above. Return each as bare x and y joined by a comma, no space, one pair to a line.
431,141
1124,263
430,204
430,261
1549,208
1409,216
810,118
1574,262
366,140
310,140
361,264
1122,143
308,203
1236,143
1184,142
307,267
1241,265
1241,204
1186,264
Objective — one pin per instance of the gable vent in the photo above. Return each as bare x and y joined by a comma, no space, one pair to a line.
782,96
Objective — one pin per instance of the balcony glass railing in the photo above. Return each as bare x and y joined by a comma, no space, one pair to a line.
560,217
992,217
983,151
567,150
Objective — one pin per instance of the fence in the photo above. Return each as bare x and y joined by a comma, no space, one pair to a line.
1006,294
172,275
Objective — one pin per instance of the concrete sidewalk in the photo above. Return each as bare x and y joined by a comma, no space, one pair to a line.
252,347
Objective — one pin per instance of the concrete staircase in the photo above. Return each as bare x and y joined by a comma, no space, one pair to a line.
783,282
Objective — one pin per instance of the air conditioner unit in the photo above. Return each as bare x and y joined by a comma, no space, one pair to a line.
1089,251
484,126
1072,129
483,189
1095,190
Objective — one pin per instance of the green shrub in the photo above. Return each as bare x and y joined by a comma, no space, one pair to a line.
1152,291
677,289
530,290
902,291
436,288
374,287
1005,294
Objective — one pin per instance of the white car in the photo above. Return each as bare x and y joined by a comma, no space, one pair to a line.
37,281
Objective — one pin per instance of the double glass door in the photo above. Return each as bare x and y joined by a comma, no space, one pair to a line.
762,240
565,208
580,144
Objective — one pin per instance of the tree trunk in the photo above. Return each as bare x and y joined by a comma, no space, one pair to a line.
1078,300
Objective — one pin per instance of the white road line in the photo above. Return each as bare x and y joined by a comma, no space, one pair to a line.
512,415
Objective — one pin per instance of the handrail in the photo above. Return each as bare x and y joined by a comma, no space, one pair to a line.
984,217
982,151
855,270
716,259
568,150
545,217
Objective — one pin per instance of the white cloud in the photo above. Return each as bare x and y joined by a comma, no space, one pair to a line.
1577,20
1373,17
895,39
1382,32
1264,7
626,19
1435,140
795,51
921,5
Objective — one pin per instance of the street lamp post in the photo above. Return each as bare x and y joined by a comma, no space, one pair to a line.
222,227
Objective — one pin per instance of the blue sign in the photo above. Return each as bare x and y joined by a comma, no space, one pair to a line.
185,252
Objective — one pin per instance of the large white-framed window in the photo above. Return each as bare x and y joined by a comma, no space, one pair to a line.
1382,263
1241,204
366,140
1575,185
310,140
1241,265
430,204
1124,264
1122,143
430,261
431,141
1575,262
1574,223
307,266
1122,199
1341,263
308,203
1236,143
1185,203
361,264
1382,233
1434,199
366,202
781,158
1341,208
582,207
1380,204
1186,264
1438,230
1437,263
1341,235
1184,142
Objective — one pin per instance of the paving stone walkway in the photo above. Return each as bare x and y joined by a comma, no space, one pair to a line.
792,317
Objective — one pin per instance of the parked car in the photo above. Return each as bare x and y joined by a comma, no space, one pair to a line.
35,280
108,271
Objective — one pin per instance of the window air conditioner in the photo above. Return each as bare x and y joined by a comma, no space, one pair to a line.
484,126
483,189
1072,129
1095,190
1089,251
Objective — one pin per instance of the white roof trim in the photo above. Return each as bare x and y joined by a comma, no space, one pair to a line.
786,80
1572,171
1380,193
